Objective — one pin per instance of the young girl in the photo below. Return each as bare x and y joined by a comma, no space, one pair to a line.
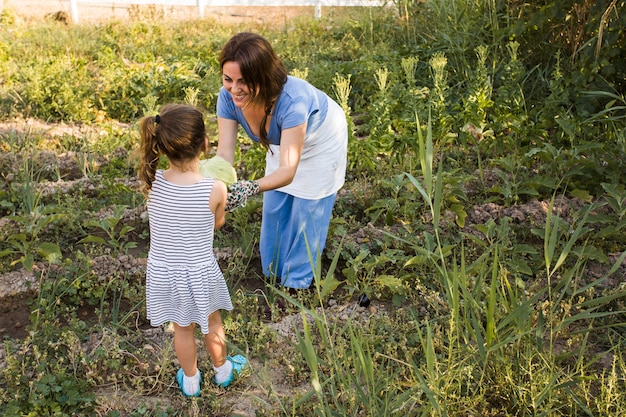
184,283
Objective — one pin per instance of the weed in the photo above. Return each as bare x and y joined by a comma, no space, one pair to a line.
115,237
26,247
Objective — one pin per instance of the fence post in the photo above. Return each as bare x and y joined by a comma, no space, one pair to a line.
200,4
318,9
74,10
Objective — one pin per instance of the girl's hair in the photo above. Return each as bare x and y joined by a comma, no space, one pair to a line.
263,72
177,132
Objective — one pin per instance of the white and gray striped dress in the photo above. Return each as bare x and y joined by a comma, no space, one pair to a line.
184,283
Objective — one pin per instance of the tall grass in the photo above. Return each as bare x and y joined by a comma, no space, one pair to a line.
504,347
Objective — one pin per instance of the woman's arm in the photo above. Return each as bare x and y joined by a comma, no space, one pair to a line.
227,138
291,145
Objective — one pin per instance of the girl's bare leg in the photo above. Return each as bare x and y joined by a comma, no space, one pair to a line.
185,347
215,340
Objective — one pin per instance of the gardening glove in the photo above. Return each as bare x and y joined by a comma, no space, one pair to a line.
239,192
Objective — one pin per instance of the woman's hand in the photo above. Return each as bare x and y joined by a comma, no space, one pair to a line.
239,192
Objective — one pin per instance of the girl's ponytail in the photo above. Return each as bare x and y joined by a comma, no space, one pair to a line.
149,158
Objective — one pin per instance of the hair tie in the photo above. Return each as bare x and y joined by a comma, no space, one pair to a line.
157,119
268,109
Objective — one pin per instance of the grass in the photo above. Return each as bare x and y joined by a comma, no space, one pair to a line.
488,237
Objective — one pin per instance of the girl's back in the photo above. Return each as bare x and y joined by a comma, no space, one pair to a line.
181,222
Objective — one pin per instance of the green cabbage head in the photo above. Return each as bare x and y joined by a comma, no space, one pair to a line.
219,168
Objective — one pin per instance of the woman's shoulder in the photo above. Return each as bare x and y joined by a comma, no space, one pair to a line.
298,89
223,96
297,84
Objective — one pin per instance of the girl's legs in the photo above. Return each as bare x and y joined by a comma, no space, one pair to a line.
215,340
225,367
189,377
185,347
185,344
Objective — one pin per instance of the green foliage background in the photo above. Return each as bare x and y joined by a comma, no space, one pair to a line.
455,108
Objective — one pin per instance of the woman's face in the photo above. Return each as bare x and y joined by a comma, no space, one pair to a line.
233,82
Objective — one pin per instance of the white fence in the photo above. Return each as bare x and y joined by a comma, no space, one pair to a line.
201,4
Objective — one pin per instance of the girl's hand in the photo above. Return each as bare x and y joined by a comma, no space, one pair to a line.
239,192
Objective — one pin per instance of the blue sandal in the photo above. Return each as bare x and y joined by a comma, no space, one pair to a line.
179,378
239,363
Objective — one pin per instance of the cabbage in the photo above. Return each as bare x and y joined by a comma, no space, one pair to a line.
219,168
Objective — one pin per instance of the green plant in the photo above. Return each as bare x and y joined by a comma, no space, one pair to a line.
23,188
115,234
48,94
26,246
515,185
490,316
615,197
43,375
380,125
388,208
372,275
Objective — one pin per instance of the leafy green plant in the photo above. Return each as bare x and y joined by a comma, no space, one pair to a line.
371,274
23,188
515,185
48,93
388,208
115,234
26,246
380,124
615,197
43,373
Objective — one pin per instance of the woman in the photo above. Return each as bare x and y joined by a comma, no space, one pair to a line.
305,134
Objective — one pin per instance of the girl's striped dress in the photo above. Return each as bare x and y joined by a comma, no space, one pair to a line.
184,283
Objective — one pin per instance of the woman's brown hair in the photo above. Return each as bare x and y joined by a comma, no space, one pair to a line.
178,132
262,70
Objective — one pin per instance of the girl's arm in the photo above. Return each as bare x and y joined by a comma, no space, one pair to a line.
217,203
